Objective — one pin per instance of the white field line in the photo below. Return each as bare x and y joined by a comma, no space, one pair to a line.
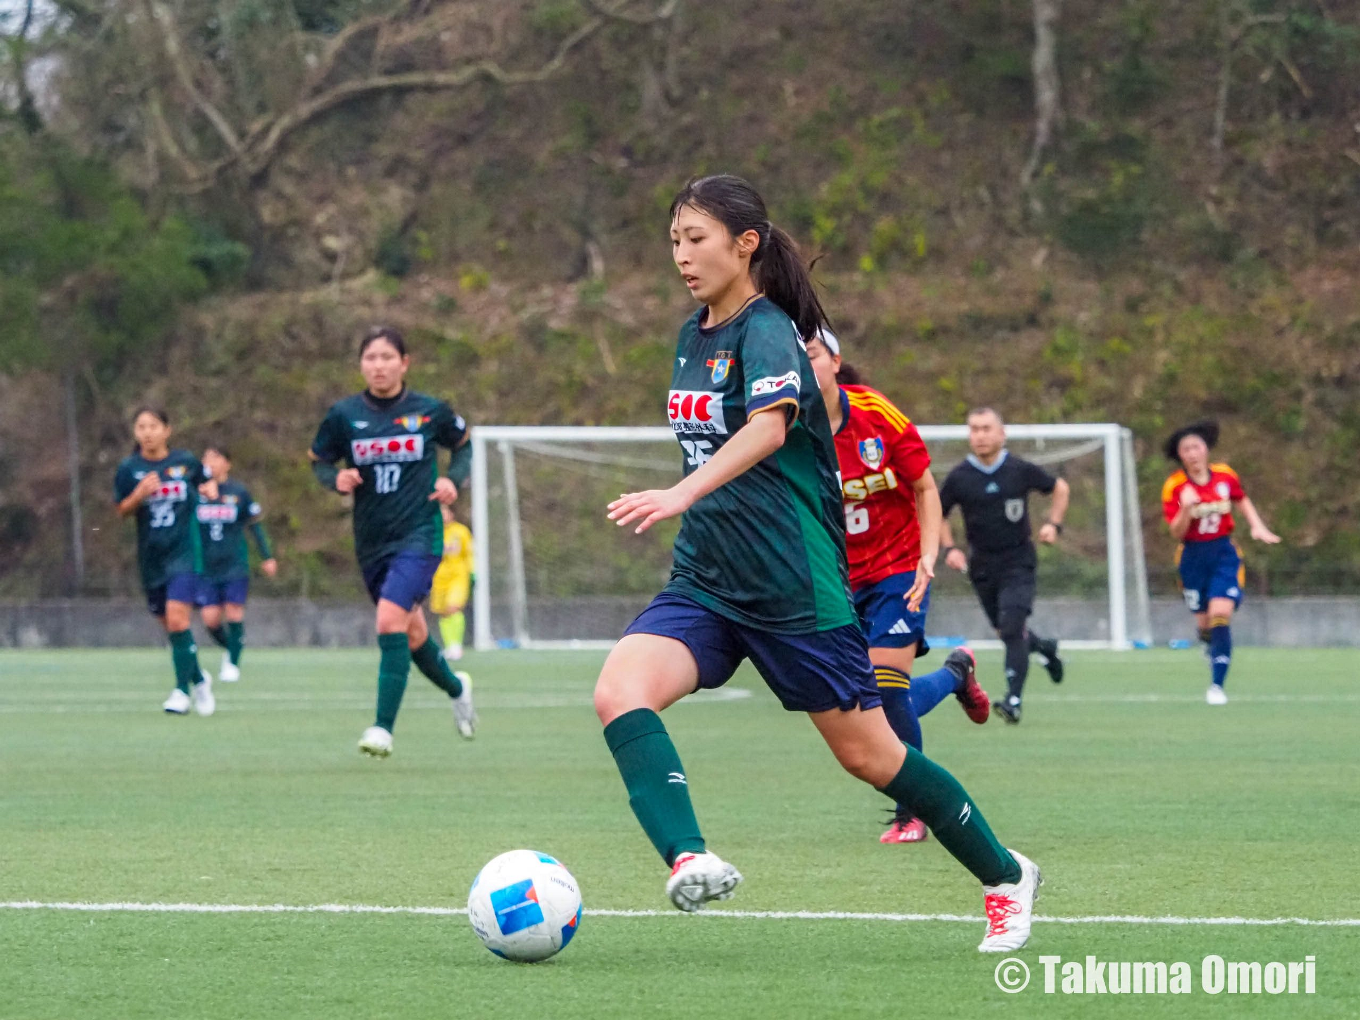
747,915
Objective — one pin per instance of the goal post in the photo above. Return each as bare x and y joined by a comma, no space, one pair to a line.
552,572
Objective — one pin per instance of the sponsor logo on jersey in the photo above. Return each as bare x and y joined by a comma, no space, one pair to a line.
775,383
721,365
411,422
1222,506
696,411
871,452
392,450
1015,509
171,492
220,513
359,424
176,472
862,488
991,488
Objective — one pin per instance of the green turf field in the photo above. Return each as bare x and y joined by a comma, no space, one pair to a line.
1134,797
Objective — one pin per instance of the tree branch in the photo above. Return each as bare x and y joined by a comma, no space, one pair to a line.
1047,86
165,20
616,13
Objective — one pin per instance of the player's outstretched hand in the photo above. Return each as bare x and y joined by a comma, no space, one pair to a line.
1048,534
348,480
1263,534
956,559
925,573
651,506
269,567
445,491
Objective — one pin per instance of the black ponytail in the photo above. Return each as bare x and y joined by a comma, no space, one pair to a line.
777,267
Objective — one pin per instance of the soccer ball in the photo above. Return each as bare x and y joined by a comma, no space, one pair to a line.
524,906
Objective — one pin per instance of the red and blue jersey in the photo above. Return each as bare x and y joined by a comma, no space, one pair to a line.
881,454
1212,516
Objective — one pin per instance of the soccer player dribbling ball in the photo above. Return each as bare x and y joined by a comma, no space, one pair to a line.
892,532
222,590
387,436
759,564
1198,503
162,487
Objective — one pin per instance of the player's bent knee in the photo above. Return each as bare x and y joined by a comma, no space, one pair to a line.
1011,626
392,618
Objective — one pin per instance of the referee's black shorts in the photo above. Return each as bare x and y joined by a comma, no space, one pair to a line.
1005,586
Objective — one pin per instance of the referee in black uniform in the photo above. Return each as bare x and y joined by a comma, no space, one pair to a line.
992,488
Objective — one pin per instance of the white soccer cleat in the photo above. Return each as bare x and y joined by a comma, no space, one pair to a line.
229,673
1010,909
697,878
1216,695
464,715
204,702
376,742
178,703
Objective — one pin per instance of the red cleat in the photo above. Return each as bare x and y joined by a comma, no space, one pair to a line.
905,830
971,696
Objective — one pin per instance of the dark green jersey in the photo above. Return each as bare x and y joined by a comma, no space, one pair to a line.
167,534
768,548
392,442
222,527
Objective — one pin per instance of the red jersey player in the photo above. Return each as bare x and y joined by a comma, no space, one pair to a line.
892,536
1198,503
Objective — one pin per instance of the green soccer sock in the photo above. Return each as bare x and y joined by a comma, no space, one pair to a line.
393,668
184,654
429,660
236,641
657,790
219,634
935,797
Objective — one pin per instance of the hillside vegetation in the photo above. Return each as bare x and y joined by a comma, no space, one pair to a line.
1186,246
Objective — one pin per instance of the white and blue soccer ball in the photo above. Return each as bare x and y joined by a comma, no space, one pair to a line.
524,906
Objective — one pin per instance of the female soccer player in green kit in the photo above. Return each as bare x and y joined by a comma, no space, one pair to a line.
223,523
387,436
760,564
162,487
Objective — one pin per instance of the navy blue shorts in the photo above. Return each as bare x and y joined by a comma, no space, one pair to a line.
180,588
1210,570
404,578
887,621
212,592
807,672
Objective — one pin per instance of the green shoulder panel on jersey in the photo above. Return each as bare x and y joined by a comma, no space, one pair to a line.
767,549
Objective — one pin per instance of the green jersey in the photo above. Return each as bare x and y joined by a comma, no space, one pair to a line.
222,525
392,442
767,549
167,534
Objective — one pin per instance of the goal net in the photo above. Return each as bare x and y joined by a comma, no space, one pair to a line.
553,572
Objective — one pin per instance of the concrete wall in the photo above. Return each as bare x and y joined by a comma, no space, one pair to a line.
1283,622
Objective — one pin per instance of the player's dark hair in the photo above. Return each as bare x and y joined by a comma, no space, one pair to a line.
219,449
155,412
389,333
849,375
987,410
777,267
1206,430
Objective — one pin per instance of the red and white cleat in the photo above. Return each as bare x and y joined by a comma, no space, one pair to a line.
697,878
1010,909
905,830
976,705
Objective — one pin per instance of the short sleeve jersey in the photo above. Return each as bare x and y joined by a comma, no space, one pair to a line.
1212,516
393,444
222,530
167,532
881,454
995,502
766,550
